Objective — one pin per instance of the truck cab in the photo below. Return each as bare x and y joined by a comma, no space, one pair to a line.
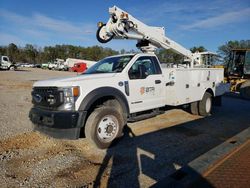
6,64
239,63
79,67
52,66
238,72
116,90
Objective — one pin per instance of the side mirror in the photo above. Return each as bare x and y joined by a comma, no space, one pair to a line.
142,71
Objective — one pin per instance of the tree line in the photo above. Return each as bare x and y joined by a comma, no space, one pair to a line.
34,54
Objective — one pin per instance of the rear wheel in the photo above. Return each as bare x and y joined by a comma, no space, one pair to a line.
194,108
103,126
205,105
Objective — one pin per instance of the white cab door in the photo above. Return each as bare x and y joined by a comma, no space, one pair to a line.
145,84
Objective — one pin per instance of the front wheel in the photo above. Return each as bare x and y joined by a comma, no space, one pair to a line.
11,68
205,105
103,126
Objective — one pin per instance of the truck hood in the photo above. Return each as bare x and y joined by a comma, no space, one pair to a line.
71,81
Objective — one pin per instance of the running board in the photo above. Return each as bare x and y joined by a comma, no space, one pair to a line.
134,117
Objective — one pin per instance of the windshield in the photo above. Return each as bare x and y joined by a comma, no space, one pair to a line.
110,65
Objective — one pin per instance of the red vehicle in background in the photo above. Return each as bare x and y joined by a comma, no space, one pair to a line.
79,67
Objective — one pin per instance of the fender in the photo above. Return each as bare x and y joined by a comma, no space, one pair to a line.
209,90
104,92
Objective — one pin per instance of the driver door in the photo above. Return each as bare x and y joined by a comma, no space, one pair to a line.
145,84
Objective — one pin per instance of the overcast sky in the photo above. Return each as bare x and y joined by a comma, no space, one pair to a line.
49,22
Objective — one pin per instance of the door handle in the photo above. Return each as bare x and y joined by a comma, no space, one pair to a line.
171,83
157,81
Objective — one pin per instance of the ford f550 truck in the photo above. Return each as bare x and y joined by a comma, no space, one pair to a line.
122,88
113,91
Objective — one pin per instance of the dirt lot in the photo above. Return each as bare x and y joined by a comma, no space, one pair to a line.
149,151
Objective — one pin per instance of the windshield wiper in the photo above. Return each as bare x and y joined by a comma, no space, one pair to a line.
96,72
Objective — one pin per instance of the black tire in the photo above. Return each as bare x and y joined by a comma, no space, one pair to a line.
93,128
245,90
194,108
12,68
101,39
115,104
205,105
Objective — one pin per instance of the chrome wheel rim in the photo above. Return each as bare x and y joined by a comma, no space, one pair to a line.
208,105
107,128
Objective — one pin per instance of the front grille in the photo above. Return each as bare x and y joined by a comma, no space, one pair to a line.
47,97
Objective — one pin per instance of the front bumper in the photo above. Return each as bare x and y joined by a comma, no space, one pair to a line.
58,124
4,67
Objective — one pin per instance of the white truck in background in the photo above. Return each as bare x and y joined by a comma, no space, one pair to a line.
123,88
6,64
58,64
61,65
206,59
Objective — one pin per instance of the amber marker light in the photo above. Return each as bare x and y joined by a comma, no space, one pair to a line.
76,91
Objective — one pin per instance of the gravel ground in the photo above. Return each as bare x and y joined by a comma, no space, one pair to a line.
149,151
15,98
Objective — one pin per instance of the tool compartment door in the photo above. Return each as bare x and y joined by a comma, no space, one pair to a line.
191,84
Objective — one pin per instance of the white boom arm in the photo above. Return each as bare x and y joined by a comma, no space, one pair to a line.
122,25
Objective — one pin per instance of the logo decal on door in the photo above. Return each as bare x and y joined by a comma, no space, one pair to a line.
147,90
142,90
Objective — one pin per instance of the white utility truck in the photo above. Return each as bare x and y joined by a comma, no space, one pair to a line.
122,88
6,64
58,64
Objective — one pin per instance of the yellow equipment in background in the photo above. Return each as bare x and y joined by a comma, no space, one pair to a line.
237,72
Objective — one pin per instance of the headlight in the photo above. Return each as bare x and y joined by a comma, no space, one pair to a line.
70,95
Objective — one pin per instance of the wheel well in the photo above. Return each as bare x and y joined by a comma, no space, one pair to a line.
100,95
99,102
209,90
